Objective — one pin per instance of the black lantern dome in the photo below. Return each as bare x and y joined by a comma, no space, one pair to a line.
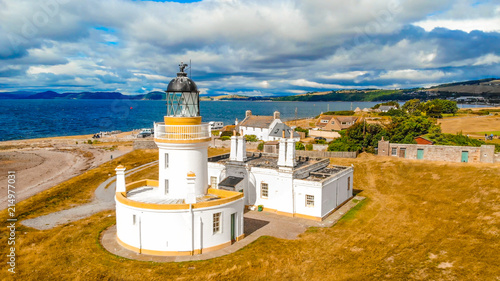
183,98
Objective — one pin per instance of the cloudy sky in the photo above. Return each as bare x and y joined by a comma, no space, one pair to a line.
252,47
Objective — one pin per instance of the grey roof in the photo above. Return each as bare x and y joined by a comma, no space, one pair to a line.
279,128
182,83
386,107
230,181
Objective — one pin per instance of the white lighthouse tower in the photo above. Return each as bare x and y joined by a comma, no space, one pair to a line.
178,214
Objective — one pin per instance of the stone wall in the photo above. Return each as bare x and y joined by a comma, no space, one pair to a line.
145,144
324,134
327,154
484,154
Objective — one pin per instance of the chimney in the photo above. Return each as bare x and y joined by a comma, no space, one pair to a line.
120,179
236,122
241,152
282,152
276,115
234,147
248,113
290,151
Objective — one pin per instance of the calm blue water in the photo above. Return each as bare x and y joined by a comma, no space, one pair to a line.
26,119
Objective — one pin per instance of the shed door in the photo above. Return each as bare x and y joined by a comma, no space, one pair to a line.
420,153
402,152
465,156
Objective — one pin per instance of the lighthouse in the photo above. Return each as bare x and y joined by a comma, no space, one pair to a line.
178,214
183,142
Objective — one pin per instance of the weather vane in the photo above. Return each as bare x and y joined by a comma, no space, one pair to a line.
182,66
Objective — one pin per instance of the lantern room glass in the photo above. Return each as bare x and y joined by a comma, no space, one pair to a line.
183,104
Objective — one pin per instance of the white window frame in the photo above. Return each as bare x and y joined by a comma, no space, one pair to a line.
309,200
394,151
166,160
133,219
324,121
167,187
213,184
264,186
216,222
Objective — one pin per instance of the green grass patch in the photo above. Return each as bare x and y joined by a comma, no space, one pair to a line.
352,212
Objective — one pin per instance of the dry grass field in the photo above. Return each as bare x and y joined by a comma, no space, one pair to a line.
473,125
421,221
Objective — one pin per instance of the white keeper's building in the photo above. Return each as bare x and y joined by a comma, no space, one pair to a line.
288,185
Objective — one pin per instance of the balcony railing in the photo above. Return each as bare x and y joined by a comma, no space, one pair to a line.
182,132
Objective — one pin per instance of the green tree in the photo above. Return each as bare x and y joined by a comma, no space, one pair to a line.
299,129
394,103
413,107
260,146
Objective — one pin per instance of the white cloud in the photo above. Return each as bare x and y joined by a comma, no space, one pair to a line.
467,25
412,74
344,75
311,84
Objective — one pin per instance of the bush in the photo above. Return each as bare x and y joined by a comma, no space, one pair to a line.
299,146
251,138
299,129
260,146
228,134
320,141
215,132
309,147
225,138
89,142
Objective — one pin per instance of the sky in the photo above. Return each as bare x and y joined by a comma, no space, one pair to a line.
249,47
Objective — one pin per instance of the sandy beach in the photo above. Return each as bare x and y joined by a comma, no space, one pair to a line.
42,163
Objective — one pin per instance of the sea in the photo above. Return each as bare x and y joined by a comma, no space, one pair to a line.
28,119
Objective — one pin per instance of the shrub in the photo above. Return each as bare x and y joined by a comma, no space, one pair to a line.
225,138
215,132
260,146
309,147
299,146
228,134
89,142
251,138
299,129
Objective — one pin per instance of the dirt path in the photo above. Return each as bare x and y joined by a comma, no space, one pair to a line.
103,200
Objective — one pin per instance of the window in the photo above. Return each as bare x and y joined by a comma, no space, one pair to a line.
166,160
213,182
166,187
333,122
324,120
309,200
264,190
394,151
348,183
216,225
133,219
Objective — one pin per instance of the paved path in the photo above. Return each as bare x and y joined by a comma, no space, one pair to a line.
257,224
104,199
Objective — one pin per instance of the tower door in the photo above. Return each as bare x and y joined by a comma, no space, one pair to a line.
233,228
465,156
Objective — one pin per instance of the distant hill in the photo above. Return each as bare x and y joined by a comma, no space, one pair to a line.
474,87
157,95
487,89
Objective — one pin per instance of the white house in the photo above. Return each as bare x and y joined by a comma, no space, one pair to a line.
266,128
178,214
298,187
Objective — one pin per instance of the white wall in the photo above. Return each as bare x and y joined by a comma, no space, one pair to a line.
177,230
183,158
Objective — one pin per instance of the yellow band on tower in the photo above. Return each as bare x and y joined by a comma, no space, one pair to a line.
182,120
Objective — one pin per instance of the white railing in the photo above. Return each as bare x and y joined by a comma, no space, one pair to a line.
182,132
